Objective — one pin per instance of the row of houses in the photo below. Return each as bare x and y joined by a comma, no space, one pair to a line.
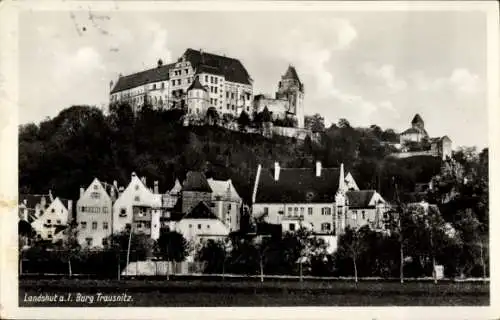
324,200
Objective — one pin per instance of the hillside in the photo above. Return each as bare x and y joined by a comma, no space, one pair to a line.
68,151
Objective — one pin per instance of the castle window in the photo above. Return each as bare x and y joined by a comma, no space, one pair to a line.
295,211
215,89
232,107
232,95
227,106
94,225
84,224
310,211
363,214
227,95
199,226
302,211
186,70
206,78
173,82
215,80
105,225
326,226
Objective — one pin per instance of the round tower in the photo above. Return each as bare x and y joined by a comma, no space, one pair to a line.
197,99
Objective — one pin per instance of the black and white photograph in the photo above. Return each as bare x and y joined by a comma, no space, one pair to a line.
269,154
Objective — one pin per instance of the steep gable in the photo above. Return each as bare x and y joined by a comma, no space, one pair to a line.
200,211
360,199
196,181
95,189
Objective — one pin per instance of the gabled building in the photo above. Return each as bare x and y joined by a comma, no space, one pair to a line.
365,207
135,203
201,223
94,213
55,219
227,202
314,198
195,188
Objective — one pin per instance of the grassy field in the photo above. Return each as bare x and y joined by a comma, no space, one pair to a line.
209,293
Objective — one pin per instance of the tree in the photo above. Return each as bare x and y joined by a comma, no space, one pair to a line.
69,248
352,245
212,116
172,246
243,120
214,254
316,123
343,123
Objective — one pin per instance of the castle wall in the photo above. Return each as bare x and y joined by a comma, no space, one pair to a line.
277,107
299,133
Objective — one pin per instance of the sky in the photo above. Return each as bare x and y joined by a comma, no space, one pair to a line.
368,67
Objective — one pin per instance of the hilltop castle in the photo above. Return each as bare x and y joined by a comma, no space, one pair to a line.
200,81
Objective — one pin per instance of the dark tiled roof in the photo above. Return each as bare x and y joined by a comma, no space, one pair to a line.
232,69
142,78
203,68
414,130
196,181
291,74
359,199
200,211
298,186
417,119
196,85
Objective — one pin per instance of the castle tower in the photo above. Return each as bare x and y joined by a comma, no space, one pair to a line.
291,88
197,99
417,122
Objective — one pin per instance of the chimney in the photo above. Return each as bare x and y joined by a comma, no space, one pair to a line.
133,174
70,210
155,189
51,197
81,192
160,63
276,171
43,202
318,168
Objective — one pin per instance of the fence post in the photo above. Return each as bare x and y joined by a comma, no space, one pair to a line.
119,268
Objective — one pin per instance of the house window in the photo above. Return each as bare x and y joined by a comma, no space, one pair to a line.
363,214
310,211
123,212
302,211
136,198
58,221
163,85
105,209
215,89
154,86
95,195
190,226
232,95
281,212
199,226
84,224
105,225
49,221
53,210
139,225
325,211
326,226
94,225
291,227
289,211
208,226
229,207
49,236
89,241
227,97
96,187
295,211
266,210
354,215
206,78
136,187
104,242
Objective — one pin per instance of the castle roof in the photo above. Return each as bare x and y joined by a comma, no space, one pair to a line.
200,211
359,199
417,119
298,185
291,74
232,69
160,73
415,131
196,85
196,181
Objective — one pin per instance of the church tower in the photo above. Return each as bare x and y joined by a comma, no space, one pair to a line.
291,88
